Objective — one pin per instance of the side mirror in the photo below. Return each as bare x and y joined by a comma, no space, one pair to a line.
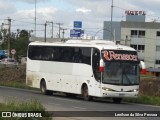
101,66
143,67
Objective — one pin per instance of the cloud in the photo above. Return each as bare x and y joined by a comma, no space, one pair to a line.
6,8
83,10
31,1
42,13
91,12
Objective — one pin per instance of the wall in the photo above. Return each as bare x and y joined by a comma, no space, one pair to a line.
107,30
150,40
150,47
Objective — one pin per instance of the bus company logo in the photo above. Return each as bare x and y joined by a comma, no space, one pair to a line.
111,55
6,114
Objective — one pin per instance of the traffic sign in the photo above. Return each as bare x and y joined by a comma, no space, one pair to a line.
76,32
13,51
77,24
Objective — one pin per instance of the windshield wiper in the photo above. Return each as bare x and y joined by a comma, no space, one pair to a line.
127,78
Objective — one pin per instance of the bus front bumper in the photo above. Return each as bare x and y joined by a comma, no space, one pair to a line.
120,94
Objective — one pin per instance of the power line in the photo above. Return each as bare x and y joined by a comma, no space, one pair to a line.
59,24
27,22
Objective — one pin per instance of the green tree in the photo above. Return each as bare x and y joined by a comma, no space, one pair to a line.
20,43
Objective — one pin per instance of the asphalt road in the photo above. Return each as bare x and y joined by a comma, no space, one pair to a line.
70,106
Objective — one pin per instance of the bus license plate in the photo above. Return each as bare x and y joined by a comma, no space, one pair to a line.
121,94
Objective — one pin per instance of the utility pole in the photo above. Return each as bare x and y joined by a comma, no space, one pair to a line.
9,34
111,20
35,17
59,28
45,25
52,27
63,32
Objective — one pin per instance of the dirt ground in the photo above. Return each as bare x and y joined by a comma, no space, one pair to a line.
13,73
148,85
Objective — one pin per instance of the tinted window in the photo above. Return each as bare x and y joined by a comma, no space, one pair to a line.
95,63
60,54
158,33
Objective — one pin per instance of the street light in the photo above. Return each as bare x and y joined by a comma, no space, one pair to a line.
111,18
113,35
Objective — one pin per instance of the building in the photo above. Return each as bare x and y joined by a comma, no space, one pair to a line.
141,35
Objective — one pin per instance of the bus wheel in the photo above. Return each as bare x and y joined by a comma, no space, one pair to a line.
117,100
85,93
44,89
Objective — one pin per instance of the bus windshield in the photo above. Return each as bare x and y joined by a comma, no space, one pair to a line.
121,67
121,73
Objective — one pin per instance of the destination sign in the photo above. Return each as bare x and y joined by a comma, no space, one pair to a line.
115,55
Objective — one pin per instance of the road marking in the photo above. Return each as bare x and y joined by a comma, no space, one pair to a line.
81,108
66,100
146,105
150,105
54,104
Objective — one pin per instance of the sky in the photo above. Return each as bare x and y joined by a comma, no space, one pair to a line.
92,13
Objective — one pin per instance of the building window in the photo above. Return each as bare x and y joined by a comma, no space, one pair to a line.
134,46
157,48
133,32
158,33
157,61
141,47
137,33
141,33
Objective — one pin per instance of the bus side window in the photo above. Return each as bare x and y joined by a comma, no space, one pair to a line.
86,55
37,53
95,63
67,54
57,54
77,55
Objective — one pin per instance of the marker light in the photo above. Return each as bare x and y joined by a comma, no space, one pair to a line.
101,66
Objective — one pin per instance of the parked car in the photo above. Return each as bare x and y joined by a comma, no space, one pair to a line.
9,61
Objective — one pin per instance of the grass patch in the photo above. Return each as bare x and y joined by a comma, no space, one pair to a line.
21,107
13,84
16,85
151,100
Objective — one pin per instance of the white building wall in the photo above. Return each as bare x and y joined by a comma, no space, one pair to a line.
150,47
150,41
136,41
158,52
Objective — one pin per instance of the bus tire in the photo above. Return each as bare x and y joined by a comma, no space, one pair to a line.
117,100
85,94
44,89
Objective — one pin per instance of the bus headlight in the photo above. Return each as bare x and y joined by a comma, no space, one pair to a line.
135,90
107,89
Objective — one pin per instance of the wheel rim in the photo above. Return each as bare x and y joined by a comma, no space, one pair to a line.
85,92
43,88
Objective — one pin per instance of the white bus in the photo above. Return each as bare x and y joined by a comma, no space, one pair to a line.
94,68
